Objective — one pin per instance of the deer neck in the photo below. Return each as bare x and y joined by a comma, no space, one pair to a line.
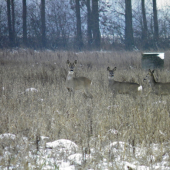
70,75
152,80
111,79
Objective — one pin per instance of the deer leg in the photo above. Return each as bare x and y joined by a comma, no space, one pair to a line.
88,94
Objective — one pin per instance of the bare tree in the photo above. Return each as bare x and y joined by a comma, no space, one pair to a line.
13,21
144,26
129,40
43,28
24,15
79,40
89,23
62,20
155,18
9,22
96,31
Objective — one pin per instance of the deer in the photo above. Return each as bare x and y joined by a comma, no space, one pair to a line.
157,88
132,89
77,83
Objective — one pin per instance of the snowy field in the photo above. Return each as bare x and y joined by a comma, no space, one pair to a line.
64,154
43,126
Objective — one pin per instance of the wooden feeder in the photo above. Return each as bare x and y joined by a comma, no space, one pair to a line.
152,60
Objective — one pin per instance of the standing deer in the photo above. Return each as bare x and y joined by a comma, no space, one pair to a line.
117,87
77,83
158,88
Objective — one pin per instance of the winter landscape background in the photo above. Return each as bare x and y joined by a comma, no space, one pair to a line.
42,125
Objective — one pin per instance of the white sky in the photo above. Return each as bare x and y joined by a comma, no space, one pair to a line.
160,3
163,3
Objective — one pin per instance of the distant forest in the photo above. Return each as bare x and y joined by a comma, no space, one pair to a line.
84,24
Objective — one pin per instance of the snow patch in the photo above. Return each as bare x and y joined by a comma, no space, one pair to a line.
63,144
31,90
8,135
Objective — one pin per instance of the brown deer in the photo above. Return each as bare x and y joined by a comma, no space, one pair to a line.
117,87
77,83
158,88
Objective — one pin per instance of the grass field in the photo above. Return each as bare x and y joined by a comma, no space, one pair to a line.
35,102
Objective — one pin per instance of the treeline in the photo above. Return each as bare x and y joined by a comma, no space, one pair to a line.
84,24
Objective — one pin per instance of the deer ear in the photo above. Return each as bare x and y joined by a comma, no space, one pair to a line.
114,68
68,62
108,68
75,62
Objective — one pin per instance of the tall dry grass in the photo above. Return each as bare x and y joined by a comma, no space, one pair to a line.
91,123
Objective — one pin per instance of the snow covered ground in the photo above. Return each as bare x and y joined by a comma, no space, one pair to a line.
64,154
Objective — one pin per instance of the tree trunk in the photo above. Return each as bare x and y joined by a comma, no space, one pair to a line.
9,23
79,40
24,15
129,41
89,24
144,27
156,34
96,31
43,28
13,22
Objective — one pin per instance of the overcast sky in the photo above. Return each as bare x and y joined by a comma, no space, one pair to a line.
163,3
